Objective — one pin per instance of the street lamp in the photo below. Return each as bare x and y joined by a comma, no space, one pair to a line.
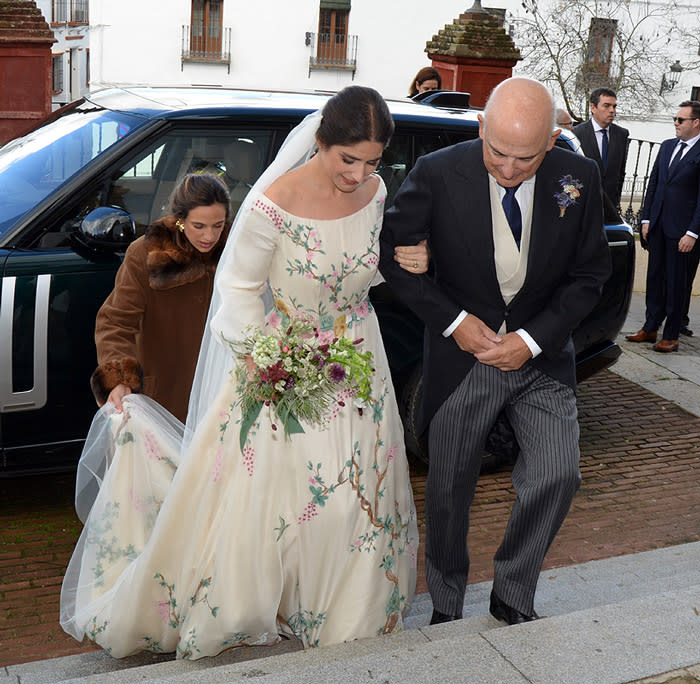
668,84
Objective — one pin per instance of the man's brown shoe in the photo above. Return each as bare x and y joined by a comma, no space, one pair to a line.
642,336
666,346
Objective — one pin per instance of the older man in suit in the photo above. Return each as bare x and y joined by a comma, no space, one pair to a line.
515,229
671,225
605,142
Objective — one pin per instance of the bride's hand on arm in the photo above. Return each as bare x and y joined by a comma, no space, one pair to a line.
413,258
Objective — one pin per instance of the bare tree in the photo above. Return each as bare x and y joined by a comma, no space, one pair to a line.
577,45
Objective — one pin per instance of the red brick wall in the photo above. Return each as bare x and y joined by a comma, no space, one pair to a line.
25,87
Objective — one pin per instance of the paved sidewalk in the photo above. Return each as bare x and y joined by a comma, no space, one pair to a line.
674,376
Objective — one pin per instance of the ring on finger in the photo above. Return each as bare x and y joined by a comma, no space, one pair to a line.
415,264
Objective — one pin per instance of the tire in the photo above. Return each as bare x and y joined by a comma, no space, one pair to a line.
501,445
409,405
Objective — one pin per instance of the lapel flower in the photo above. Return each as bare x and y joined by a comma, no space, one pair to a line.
570,192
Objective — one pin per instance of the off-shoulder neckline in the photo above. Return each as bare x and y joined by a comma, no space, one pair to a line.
264,198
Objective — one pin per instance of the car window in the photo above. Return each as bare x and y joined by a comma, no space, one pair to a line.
400,155
33,167
142,184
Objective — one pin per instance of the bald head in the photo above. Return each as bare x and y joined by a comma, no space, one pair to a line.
517,130
524,105
564,120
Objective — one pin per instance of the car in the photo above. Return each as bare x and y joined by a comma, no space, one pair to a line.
79,188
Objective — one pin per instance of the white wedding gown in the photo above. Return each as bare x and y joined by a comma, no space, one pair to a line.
313,534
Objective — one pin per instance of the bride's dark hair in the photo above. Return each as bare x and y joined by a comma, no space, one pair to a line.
354,115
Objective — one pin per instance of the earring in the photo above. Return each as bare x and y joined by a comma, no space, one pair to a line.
180,226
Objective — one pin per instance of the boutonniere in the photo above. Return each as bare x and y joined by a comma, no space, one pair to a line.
570,192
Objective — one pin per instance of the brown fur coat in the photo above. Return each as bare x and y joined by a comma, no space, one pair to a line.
149,329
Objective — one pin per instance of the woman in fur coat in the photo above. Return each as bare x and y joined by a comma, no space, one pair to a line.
149,329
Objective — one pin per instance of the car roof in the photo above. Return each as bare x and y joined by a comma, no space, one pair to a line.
183,102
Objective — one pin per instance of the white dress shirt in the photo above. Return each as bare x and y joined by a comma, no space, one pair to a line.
598,137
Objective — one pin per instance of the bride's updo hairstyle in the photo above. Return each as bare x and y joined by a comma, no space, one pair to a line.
356,114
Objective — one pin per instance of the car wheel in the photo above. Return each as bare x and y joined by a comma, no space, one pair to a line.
409,404
501,445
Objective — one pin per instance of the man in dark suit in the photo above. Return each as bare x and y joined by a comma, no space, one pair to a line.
605,142
515,228
671,225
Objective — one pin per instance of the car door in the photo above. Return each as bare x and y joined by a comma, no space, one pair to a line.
53,284
48,301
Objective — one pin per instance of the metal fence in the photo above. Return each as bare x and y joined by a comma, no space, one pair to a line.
641,155
79,11
69,11
332,51
210,44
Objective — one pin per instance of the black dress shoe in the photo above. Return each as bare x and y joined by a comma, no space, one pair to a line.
502,611
438,617
685,330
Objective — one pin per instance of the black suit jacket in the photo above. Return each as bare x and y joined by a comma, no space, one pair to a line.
613,175
673,200
446,199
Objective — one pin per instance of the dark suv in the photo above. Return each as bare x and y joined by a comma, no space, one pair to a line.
60,247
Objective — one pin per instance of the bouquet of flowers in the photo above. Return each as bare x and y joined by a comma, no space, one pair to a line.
299,375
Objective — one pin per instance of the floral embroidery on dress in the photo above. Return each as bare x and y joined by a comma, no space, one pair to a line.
304,622
353,468
108,550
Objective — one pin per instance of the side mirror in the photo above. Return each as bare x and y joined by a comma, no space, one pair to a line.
107,228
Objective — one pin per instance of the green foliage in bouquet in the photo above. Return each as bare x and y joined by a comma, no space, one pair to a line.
299,375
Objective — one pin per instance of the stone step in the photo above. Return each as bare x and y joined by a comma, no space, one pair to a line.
617,642
625,614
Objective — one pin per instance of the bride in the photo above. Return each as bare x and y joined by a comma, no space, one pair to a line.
220,537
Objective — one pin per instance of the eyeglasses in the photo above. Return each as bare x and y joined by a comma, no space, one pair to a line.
681,119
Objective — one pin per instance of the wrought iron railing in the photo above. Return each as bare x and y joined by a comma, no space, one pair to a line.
59,11
210,44
332,51
69,11
79,11
641,155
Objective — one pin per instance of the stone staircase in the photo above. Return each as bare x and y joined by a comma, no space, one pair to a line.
615,620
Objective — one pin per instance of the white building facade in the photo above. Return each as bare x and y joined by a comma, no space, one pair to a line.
69,21
269,44
303,44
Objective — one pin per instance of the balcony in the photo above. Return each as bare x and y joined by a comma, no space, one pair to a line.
332,51
69,12
207,45
79,11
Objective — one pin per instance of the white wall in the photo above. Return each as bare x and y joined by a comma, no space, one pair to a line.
267,44
69,38
139,42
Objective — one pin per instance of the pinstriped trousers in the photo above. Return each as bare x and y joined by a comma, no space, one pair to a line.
546,477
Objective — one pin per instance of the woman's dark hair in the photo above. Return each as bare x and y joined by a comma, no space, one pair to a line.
425,74
199,190
354,115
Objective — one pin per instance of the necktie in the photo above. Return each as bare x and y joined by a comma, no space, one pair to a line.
512,211
676,159
604,133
